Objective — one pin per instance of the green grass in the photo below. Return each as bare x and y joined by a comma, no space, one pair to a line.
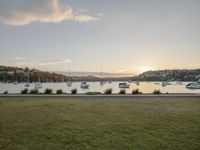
93,93
146,124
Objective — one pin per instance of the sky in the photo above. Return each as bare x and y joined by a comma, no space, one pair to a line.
117,36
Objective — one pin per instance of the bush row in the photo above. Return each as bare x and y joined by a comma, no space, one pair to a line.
47,91
74,91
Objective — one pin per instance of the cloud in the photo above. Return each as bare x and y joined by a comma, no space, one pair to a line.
83,10
19,58
48,11
47,63
54,62
25,64
100,14
85,18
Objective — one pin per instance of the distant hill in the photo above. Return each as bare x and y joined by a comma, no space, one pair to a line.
96,74
15,74
171,75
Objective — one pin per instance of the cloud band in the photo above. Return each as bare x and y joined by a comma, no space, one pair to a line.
46,11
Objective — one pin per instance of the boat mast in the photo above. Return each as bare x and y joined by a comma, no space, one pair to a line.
69,74
28,77
100,75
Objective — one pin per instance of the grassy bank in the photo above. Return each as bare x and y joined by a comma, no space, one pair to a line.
161,123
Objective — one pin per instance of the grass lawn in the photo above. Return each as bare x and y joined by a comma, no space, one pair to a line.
58,124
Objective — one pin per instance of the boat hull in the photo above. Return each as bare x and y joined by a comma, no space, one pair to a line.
84,86
193,86
124,87
69,84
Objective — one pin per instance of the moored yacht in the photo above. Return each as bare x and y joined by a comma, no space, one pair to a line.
69,83
27,84
84,85
179,82
157,83
137,82
102,82
194,85
38,85
124,85
15,83
165,83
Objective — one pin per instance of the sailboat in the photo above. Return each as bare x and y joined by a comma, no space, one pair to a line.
193,85
15,79
84,85
27,84
124,85
102,82
15,83
165,83
38,85
69,83
137,83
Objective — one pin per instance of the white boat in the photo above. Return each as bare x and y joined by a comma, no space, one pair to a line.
124,85
179,83
194,85
15,83
137,82
102,82
165,83
27,84
157,83
69,83
38,85
84,85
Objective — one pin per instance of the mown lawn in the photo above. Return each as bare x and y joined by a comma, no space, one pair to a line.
146,124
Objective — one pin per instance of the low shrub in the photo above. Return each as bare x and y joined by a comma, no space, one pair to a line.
34,91
6,92
136,91
122,92
93,93
74,91
59,91
24,91
108,91
156,92
48,91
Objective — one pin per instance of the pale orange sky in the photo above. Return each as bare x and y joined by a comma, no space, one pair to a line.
129,36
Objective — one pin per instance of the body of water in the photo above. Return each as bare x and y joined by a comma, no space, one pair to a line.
145,87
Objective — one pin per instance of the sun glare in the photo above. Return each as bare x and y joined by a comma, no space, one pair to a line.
144,69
